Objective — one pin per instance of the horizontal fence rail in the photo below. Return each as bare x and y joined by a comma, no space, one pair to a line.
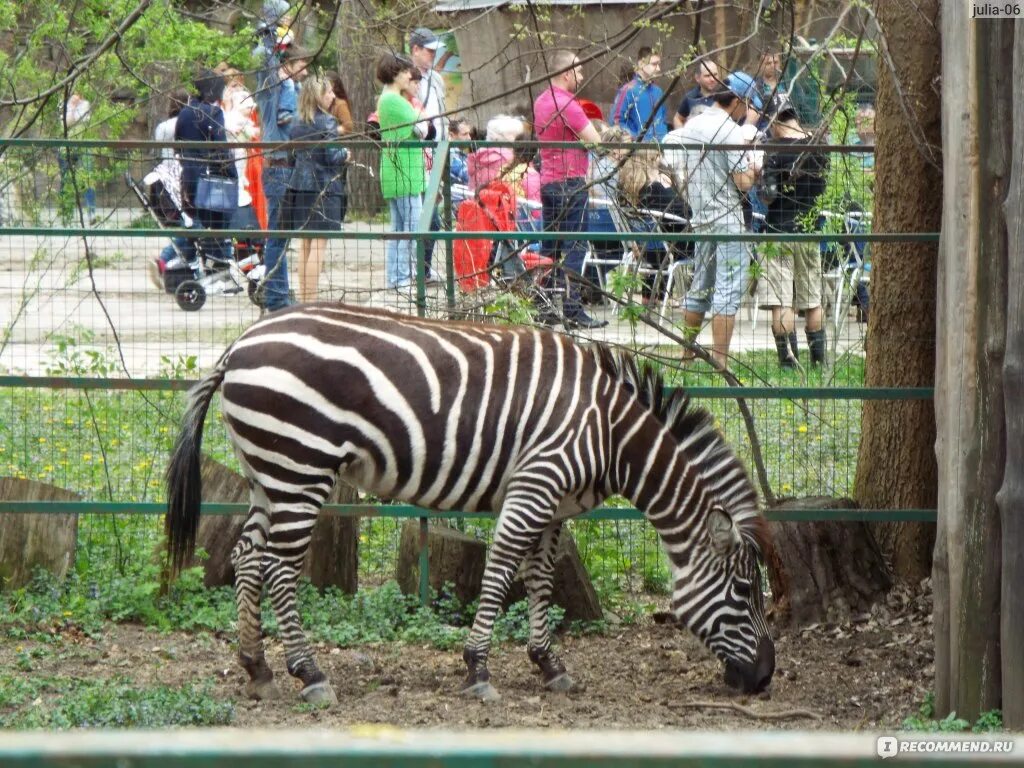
410,511
388,747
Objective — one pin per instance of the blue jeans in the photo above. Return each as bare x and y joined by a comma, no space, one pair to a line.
564,206
178,245
400,255
275,186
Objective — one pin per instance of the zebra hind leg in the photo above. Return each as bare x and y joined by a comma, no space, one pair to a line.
538,573
290,532
516,535
247,559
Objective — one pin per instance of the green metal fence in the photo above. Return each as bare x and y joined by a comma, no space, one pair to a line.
95,362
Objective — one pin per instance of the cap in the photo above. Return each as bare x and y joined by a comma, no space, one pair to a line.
424,38
744,87
781,107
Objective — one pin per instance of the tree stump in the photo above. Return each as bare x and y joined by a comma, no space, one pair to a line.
453,556
218,534
572,589
824,571
332,559
28,541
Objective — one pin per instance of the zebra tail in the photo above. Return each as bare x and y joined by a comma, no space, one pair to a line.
184,483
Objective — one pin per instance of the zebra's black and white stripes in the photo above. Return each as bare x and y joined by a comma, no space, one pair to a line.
514,420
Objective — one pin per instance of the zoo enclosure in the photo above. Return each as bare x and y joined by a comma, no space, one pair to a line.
85,412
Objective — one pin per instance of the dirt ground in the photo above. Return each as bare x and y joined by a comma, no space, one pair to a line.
867,673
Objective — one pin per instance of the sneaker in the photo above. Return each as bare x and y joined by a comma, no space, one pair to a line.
153,270
549,319
584,321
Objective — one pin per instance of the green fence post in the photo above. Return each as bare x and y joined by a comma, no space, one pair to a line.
449,245
437,172
424,565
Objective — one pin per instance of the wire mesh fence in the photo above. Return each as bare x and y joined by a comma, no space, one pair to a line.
84,297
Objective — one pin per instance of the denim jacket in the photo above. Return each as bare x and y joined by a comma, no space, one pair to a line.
316,169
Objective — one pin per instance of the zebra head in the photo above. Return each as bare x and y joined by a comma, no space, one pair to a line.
718,596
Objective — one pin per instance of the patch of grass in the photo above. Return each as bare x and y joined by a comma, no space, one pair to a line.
46,609
926,721
60,703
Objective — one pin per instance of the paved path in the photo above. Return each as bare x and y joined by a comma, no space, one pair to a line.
48,298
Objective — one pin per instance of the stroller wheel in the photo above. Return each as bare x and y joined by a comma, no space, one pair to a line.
256,291
190,295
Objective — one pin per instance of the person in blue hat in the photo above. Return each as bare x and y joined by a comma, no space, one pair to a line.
743,85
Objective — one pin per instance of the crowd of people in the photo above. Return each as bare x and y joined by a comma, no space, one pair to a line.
669,169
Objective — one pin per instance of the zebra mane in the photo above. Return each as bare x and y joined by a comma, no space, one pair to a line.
684,420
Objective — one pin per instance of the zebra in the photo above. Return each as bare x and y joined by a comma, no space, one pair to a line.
520,421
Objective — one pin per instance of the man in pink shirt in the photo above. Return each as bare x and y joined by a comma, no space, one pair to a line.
558,116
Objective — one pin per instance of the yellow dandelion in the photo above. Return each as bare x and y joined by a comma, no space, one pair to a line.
802,429
42,439
163,430
86,457
69,422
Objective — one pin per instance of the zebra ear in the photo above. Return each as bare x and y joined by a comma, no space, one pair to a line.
725,538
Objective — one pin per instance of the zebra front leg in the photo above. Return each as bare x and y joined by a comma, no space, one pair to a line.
286,549
247,559
519,527
538,574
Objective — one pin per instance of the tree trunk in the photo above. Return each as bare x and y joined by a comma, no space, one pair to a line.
1011,496
30,541
824,571
360,43
977,129
896,464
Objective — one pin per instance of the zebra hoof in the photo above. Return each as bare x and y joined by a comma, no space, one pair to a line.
263,690
320,694
482,691
561,684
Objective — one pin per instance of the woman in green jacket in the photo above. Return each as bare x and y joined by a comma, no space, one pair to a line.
402,176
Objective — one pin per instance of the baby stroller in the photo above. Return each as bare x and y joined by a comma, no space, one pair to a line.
208,275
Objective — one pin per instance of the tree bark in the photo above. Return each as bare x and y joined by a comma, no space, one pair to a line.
360,44
896,464
971,449
824,571
1011,495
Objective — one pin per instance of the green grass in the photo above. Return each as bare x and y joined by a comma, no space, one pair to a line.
378,615
113,446
926,721
30,702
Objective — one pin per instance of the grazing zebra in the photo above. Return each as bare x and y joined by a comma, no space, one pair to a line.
515,420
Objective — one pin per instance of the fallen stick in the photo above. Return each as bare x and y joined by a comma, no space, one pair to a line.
787,714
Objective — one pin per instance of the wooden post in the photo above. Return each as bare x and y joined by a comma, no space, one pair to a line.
978,116
1011,495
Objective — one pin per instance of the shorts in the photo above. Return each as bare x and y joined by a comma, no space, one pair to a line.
792,278
720,277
